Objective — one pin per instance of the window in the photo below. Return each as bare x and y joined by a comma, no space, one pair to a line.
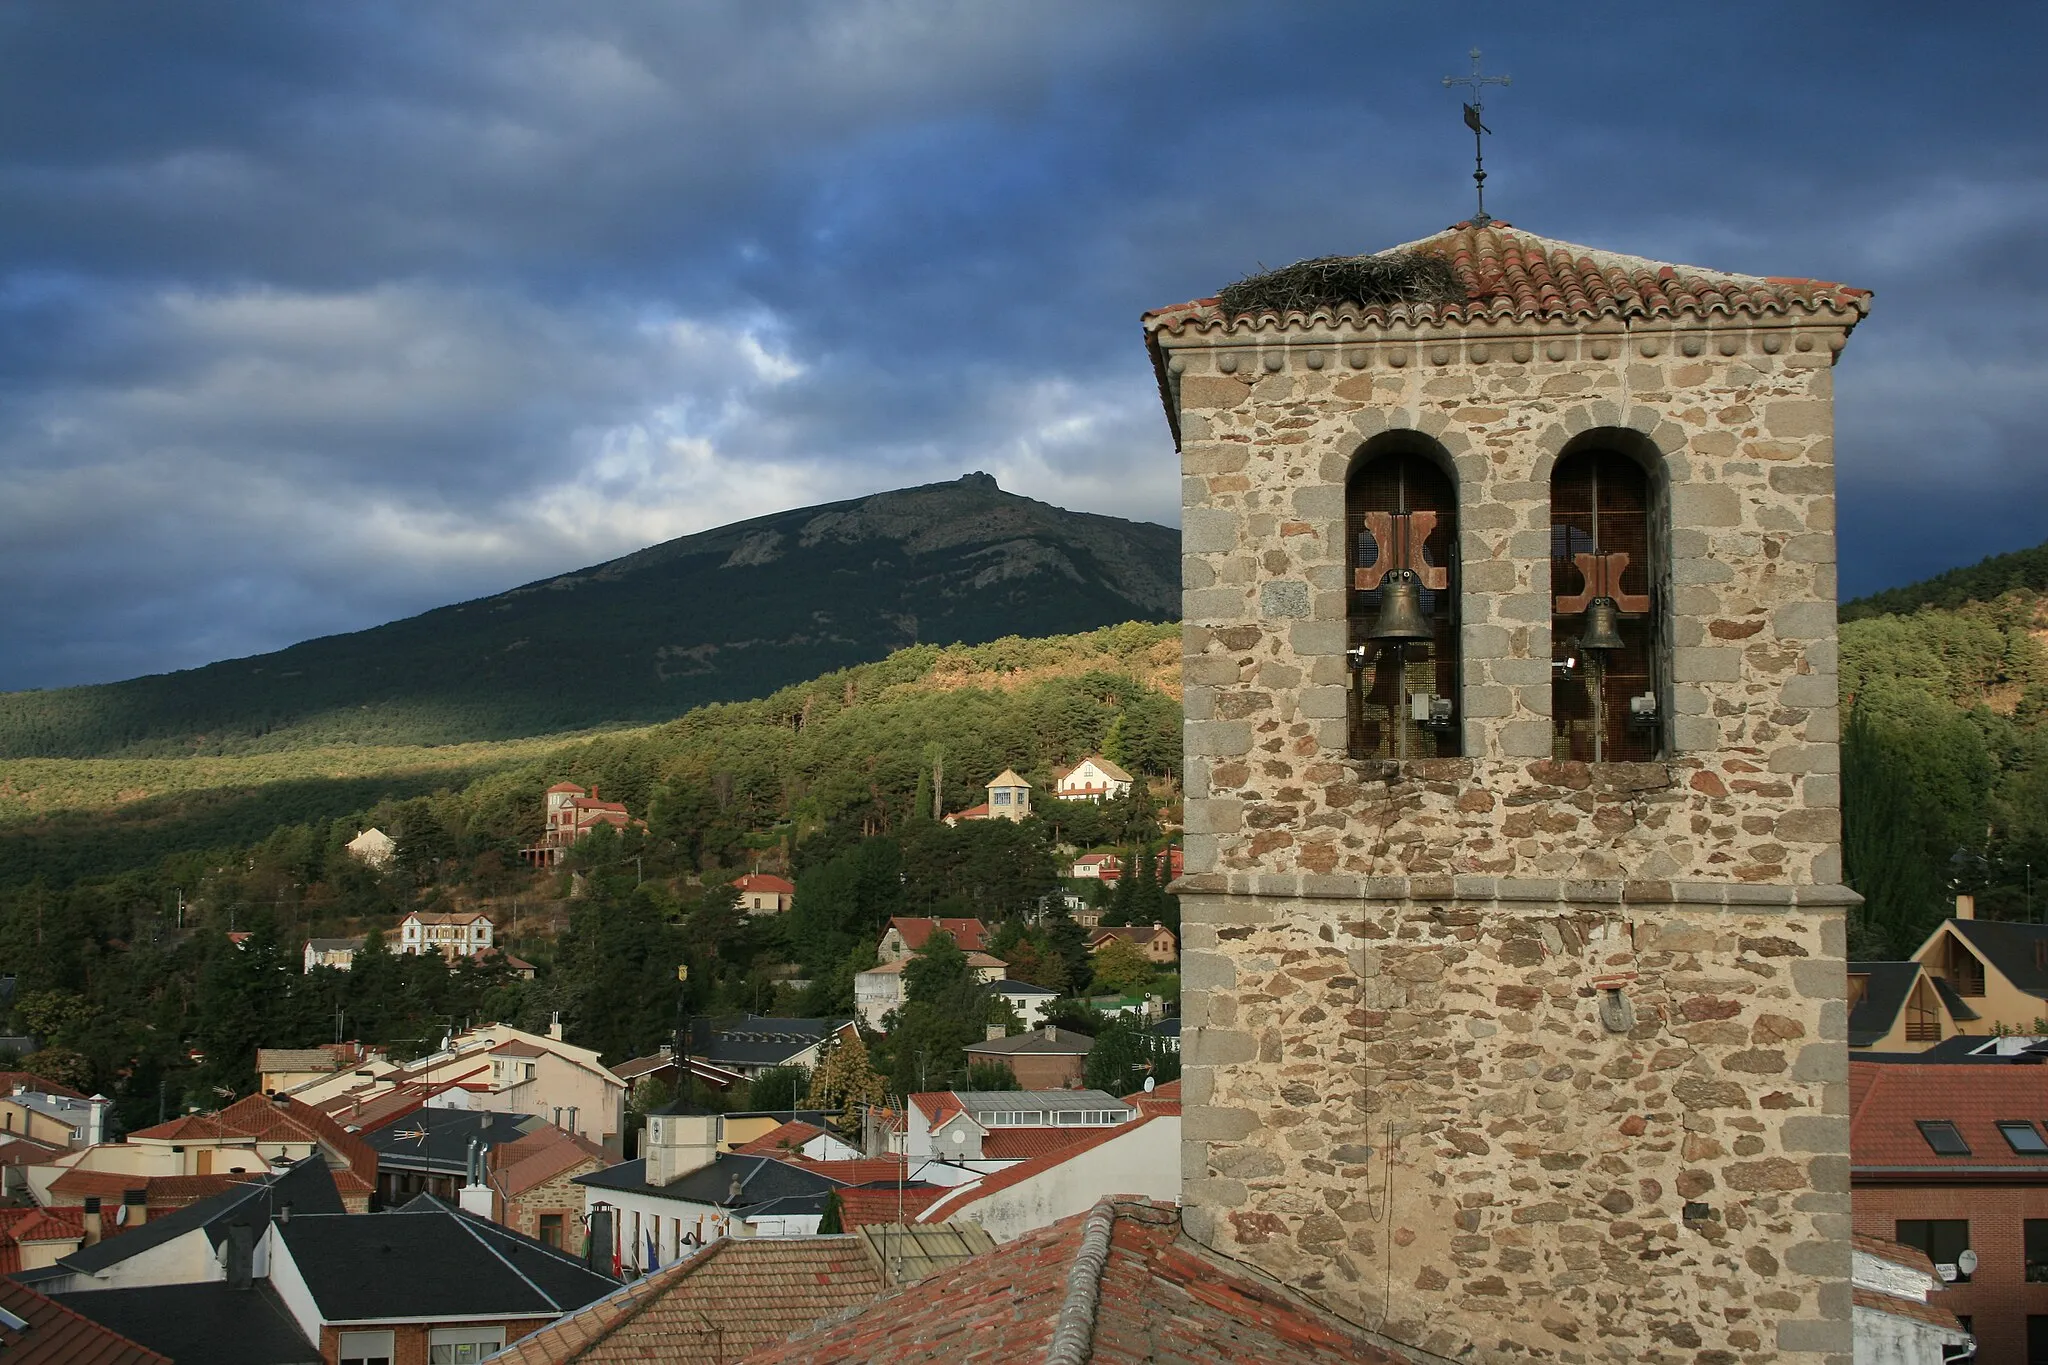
1401,548
2037,1250
1942,1136
1923,1015
463,1345
2037,1339
1859,988
366,1348
1000,798
1604,686
1943,1239
2023,1137
551,1230
1965,972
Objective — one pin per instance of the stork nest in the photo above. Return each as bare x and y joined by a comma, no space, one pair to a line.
1327,281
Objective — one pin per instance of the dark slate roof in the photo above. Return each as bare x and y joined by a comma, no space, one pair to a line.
1053,1042
758,1039
1962,1049
307,1186
52,1333
2011,948
788,1206
201,1322
1882,1000
429,1139
428,1260
1953,1002
1007,986
761,1179
1167,1028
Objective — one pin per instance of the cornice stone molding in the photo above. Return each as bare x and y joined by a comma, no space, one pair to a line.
1204,892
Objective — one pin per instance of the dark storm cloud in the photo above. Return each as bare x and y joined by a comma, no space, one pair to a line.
312,316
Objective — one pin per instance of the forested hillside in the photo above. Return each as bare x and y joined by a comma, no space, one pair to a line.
728,614
1945,752
834,780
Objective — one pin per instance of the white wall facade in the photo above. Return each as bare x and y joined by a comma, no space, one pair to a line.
1142,1160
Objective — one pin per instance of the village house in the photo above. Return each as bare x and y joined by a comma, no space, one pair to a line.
244,1140
373,848
764,893
1135,1157
452,934
1097,867
1043,1059
1892,1288
568,814
1952,1160
1009,798
33,1238
533,1189
1094,778
1026,1001
1971,978
287,1069
907,934
749,1044
879,989
429,1151
966,1127
52,1115
493,1067
1156,942
687,1191
339,953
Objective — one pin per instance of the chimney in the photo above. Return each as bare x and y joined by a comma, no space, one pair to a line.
996,1031
284,1212
593,791
239,1255
137,1204
1052,1034
555,1026
1966,907
92,1219
597,1252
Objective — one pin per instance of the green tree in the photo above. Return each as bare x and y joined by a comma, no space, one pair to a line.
778,1088
991,1076
1121,969
1119,1060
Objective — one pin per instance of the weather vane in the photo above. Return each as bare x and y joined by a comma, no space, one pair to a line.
1473,111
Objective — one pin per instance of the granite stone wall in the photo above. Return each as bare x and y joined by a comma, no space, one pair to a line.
1503,1056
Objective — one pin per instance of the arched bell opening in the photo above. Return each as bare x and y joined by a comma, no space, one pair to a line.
1401,538
1609,557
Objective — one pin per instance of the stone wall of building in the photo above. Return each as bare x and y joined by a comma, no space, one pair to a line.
1502,1056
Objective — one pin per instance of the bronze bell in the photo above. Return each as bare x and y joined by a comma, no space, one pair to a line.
1401,615
1603,625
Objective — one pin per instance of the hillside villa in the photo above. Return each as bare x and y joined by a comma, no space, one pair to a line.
1094,778
1009,798
570,814
764,893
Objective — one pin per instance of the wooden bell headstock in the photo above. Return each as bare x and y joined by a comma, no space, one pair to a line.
1400,537
1601,574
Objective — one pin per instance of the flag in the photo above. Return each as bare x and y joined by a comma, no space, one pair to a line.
653,1255
1472,121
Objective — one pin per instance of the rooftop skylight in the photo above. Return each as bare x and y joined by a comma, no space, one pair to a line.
1942,1136
2023,1137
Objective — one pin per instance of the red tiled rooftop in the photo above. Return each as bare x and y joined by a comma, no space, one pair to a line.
860,1208
1506,273
540,1156
968,935
58,1336
766,882
1158,1298
782,1139
960,1196
1889,1102
1021,1144
11,1081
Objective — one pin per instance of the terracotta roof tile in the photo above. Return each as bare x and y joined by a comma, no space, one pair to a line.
960,1196
1509,274
58,1336
766,882
10,1081
1898,1253
783,1138
1159,1299
1906,1308
540,1156
1889,1102
734,1296
968,934
1020,1144
863,1208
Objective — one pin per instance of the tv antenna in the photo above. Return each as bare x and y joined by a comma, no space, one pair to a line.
1474,112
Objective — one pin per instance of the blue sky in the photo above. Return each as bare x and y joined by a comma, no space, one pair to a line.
314,316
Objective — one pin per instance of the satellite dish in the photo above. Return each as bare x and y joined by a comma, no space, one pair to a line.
1967,1262
121,1216
1151,1083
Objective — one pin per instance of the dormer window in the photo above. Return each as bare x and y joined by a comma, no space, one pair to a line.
1401,546
2023,1137
1943,1137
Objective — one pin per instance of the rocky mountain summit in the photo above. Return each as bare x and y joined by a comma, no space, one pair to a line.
729,613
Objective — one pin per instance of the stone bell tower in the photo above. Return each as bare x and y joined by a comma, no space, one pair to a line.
1514,1022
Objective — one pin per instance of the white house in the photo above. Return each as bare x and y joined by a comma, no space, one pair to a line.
1027,1000
1140,1158
332,952
957,1125
880,989
764,893
1894,1322
1094,778
451,934
373,848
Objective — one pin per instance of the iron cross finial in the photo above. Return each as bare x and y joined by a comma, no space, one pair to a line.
1473,120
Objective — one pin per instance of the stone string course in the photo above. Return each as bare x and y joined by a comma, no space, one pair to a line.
1506,1057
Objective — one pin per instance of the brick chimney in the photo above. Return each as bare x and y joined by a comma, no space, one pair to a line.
92,1219
1966,907
136,1202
